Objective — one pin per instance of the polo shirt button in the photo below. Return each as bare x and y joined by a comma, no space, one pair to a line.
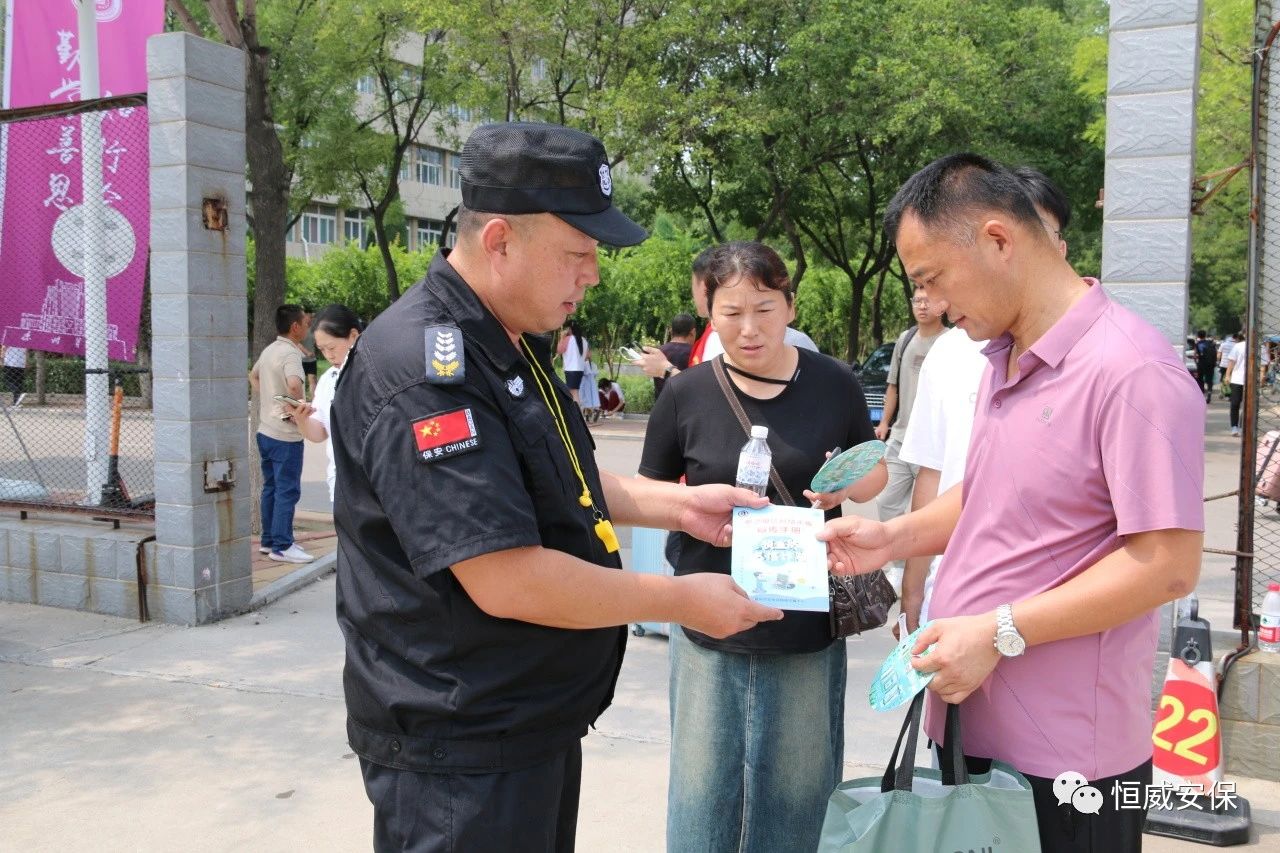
997,404
438,753
395,745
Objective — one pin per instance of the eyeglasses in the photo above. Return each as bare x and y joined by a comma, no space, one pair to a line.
920,301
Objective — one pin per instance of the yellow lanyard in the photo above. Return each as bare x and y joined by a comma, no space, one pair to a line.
604,529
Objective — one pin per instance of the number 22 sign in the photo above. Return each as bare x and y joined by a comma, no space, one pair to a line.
1185,737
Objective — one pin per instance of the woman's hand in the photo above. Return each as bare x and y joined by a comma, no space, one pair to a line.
311,429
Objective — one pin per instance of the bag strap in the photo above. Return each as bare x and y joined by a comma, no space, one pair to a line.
900,776
959,771
896,777
717,367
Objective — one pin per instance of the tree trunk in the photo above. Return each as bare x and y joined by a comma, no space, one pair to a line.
268,199
856,294
877,312
384,249
42,375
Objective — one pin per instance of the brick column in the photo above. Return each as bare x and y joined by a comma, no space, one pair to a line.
199,323
1153,66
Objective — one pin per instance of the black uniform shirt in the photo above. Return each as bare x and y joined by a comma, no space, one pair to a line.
430,474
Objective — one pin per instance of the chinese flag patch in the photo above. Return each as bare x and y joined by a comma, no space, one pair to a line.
446,434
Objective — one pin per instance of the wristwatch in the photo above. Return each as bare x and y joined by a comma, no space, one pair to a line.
1008,641
666,373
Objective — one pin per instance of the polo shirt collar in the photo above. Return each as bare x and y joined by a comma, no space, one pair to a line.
1054,344
478,325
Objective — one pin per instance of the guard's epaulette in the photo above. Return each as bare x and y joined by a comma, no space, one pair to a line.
446,361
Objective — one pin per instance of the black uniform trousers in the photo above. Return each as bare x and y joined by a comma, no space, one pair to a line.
531,810
1063,829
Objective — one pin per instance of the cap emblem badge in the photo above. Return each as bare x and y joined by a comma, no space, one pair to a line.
606,180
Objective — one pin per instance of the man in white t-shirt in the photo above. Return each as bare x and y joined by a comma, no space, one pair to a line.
937,438
899,399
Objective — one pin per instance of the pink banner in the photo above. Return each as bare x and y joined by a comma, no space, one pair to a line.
42,240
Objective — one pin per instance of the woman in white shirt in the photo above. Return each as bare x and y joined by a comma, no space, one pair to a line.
336,329
575,352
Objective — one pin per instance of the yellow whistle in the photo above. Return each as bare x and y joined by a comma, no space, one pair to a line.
604,530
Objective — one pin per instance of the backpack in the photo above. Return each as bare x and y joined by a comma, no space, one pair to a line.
904,343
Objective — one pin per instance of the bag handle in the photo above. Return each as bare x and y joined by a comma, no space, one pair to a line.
900,776
717,366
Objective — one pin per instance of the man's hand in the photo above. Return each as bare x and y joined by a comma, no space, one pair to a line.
963,654
654,362
705,511
716,606
882,430
855,545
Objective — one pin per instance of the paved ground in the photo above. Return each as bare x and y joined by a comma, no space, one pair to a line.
117,736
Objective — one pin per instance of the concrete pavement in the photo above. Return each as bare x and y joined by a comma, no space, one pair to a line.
120,736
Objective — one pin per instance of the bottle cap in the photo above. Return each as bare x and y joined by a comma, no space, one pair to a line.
759,432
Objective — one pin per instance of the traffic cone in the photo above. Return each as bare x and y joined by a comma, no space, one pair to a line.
1187,748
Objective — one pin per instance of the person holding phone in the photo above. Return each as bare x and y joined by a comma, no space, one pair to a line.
278,372
336,329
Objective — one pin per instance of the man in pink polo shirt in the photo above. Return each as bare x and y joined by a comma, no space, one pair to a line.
1079,515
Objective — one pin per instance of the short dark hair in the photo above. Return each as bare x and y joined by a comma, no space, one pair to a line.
468,221
941,194
286,316
1200,333
337,320
1045,194
750,260
682,324
703,262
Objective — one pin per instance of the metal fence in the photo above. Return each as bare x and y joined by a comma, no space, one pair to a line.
75,393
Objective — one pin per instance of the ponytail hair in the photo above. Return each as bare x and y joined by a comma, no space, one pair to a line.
337,321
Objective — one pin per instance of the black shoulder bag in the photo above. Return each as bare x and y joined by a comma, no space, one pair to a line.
858,602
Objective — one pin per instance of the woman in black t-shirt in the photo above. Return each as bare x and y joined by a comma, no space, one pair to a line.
757,719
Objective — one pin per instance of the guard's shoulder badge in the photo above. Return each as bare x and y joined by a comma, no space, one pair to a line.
446,362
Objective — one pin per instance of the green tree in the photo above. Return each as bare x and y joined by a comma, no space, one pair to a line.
800,121
1220,231
297,73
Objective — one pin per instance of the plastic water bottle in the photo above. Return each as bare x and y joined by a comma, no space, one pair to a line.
1269,629
754,462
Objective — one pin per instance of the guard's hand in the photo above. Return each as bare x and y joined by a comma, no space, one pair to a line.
705,511
716,606
855,545
963,654
653,362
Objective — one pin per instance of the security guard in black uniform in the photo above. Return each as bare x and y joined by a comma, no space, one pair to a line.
478,589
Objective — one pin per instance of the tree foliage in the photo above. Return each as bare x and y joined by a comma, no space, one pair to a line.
1220,233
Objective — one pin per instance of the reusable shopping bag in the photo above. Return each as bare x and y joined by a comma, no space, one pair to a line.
916,810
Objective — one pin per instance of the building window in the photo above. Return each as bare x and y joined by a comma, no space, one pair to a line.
365,85
452,172
538,71
430,163
428,234
355,228
461,113
318,225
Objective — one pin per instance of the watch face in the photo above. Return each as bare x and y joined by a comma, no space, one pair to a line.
1010,644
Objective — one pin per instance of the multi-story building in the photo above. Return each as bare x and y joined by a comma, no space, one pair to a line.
430,185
